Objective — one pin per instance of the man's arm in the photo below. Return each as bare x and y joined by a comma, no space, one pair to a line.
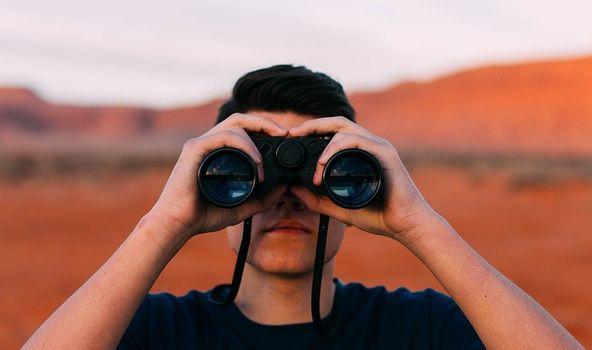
502,314
98,313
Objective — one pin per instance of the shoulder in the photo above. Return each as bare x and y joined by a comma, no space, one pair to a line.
400,297
166,300
164,320
426,317
167,307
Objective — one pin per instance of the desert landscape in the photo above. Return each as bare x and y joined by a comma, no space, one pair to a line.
503,152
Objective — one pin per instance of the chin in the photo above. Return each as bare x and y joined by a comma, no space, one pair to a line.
287,255
283,263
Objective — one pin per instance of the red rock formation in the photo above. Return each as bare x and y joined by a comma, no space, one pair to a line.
531,108
541,107
22,112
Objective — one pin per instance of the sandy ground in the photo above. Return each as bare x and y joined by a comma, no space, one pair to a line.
55,233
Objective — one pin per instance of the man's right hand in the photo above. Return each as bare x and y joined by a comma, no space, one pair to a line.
180,207
97,314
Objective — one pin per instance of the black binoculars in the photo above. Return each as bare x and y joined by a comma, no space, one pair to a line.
227,177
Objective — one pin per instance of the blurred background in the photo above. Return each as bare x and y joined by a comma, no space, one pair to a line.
489,104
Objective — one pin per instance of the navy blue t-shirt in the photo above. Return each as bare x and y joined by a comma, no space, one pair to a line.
367,318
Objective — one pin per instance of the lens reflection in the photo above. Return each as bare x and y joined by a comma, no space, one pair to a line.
353,180
229,179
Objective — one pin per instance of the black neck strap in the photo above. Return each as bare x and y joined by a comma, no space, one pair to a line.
225,293
221,295
317,279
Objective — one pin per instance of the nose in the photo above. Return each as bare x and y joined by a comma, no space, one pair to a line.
289,202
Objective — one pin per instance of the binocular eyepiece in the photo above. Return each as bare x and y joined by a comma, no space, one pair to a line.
227,177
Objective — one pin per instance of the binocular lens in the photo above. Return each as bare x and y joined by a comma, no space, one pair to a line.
352,178
227,179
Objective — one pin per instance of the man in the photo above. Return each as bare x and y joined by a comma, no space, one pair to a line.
272,308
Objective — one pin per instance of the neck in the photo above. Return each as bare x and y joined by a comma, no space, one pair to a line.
273,299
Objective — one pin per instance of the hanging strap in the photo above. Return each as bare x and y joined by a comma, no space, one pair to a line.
225,293
317,278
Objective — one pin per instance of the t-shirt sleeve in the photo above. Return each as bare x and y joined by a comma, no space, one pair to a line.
450,327
136,334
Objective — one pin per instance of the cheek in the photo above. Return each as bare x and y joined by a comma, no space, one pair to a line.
334,239
234,235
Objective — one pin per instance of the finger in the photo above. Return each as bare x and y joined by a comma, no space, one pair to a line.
256,124
321,126
257,205
244,134
320,204
341,142
195,150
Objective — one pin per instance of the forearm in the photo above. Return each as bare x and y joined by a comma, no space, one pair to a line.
503,315
97,314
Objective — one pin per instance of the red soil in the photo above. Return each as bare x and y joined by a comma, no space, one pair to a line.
55,233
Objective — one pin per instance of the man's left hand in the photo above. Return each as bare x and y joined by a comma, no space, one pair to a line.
404,209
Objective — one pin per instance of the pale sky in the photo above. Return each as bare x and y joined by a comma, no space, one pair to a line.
175,52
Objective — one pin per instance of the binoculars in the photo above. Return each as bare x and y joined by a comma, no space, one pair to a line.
228,177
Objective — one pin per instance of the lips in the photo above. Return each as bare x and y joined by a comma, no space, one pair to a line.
288,226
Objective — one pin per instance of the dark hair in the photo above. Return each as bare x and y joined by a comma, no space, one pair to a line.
288,88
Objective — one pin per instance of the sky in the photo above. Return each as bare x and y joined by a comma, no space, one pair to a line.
175,52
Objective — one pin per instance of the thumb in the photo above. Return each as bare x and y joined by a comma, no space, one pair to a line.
318,203
257,205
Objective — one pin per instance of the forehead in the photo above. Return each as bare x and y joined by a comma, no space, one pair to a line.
285,119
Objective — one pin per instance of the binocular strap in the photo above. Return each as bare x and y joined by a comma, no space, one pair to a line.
220,294
317,278
226,293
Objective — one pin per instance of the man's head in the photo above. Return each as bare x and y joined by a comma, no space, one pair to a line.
284,237
287,88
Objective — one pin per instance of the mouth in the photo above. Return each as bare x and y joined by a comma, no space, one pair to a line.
288,227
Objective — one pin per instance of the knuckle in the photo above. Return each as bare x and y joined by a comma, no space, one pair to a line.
343,143
191,143
355,137
239,131
384,143
227,133
357,128
342,120
235,118
338,136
